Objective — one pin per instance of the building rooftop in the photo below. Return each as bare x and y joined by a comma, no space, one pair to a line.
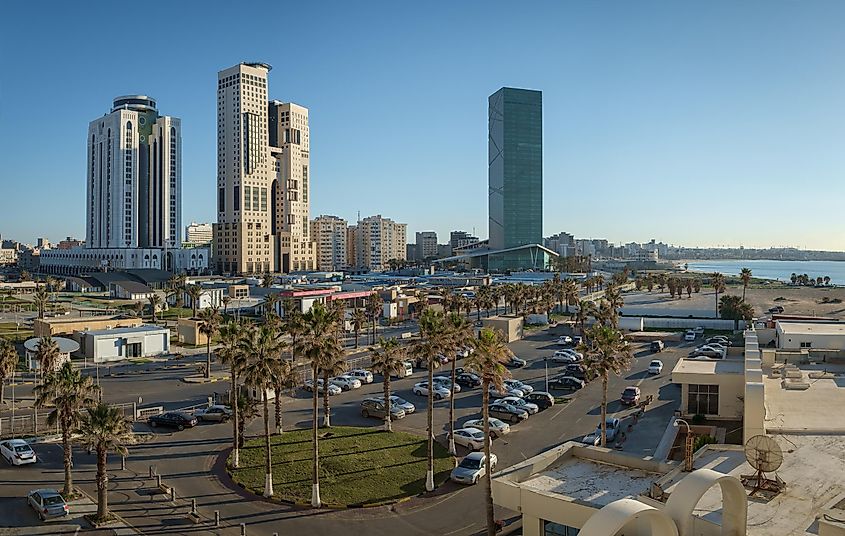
807,410
127,331
811,328
708,366
66,346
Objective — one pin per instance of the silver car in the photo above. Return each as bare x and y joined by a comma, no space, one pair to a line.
47,503
216,413
517,385
530,407
472,468
400,402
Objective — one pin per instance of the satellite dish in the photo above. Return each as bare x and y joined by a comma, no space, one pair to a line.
763,453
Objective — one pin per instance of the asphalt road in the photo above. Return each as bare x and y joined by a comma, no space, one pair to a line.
192,458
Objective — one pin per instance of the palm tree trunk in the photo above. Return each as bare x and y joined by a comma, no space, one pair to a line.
268,465
315,470
744,286
208,357
356,338
278,407
102,484
717,303
68,459
327,421
452,450
604,410
488,481
388,426
233,401
429,473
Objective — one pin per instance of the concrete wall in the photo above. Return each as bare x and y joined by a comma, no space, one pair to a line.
44,328
707,323
509,326
188,332
106,347
731,388
631,323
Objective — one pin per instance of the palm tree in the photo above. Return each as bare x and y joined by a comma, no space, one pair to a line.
387,359
605,353
570,293
194,292
175,288
69,392
226,301
231,353
8,363
359,318
155,301
270,302
586,309
374,306
47,354
105,430
332,363
718,282
615,301
316,340
458,335
427,349
267,280
261,347
488,361
41,299
286,378
745,276
293,324
209,322
599,280
248,410
734,308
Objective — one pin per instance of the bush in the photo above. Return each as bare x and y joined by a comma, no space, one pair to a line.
700,441
698,419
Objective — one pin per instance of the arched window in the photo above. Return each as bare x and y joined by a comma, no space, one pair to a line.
129,125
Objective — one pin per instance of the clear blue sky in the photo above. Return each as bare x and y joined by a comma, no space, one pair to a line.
696,123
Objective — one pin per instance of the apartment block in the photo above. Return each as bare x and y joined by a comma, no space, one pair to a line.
426,242
379,240
329,236
199,233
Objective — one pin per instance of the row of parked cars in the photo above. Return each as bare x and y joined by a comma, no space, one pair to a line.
714,347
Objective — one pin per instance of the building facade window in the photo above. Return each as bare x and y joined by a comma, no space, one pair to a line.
556,529
703,400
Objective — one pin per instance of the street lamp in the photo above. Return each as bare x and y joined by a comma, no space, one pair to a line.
687,444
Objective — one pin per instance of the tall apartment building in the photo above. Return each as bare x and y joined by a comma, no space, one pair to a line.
290,187
329,235
378,241
242,234
352,247
199,233
459,239
134,177
426,243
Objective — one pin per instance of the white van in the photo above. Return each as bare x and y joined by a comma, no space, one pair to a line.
689,335
406,370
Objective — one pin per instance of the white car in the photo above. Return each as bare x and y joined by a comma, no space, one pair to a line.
346,382
531,408
333,389
655,367
17,452
498,428
689,336
472,468
517,385
440,392
362,375
445,382
495,393
564,339
471,438
215,413
566,357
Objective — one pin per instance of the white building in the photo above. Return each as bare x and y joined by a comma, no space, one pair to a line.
124,343
199,233
807,335
378,241
80,260
243,239
290,180
8,256
209,297
329,235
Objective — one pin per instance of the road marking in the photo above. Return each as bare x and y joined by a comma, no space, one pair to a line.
460,530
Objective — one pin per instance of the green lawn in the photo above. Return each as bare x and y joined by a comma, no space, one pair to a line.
357,465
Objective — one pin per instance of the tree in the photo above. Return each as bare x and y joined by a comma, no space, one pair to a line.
793,278
41,299
488,361
287,378
599,281
457,335
105,430
8,363
226,301
638,283
332,363
155,302
718,282
671,284
47,354
696,285
261,347
615,301
745,276
231,354
736,309
649,282
359,319
270,302
427,349
387,359
605,353
293,323
586,309
209,323
267,280
827,280
69,392
194,293
374,306
248,410
25,276
689,288
316,340
175,288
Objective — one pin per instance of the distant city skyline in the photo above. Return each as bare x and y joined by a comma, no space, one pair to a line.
653,128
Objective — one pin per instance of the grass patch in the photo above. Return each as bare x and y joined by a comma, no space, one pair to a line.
358,466
176,312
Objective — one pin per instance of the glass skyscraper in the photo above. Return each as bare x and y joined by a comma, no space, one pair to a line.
515,175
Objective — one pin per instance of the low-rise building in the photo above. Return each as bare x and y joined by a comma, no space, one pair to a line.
107,345
209,297
806,335
129,290
65,325
66,347
8,256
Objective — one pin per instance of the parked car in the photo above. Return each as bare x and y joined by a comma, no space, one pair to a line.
471,438
498,428
576,340
508,412
440,392
17,452
707,351
689,336
216,413
519,386
516,362
563,358
363,375
446,382
468,379
611,430
570,383
47,503
542,399
472,468
564,340
346,382
657,346
698,330
374,407
495,393
462,352
333,388
400,402
173,419
630,396
531,408
721,339
577,370
655,367
776,309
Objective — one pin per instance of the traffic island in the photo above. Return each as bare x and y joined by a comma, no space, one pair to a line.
359,467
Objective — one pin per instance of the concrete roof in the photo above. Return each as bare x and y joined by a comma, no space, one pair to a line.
482,252
812,470
811,328
126,331
591,481
808,410
709,366
66,346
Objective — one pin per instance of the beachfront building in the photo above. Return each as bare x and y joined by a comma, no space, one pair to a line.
329,235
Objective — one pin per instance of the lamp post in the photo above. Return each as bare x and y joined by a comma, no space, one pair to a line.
687,444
